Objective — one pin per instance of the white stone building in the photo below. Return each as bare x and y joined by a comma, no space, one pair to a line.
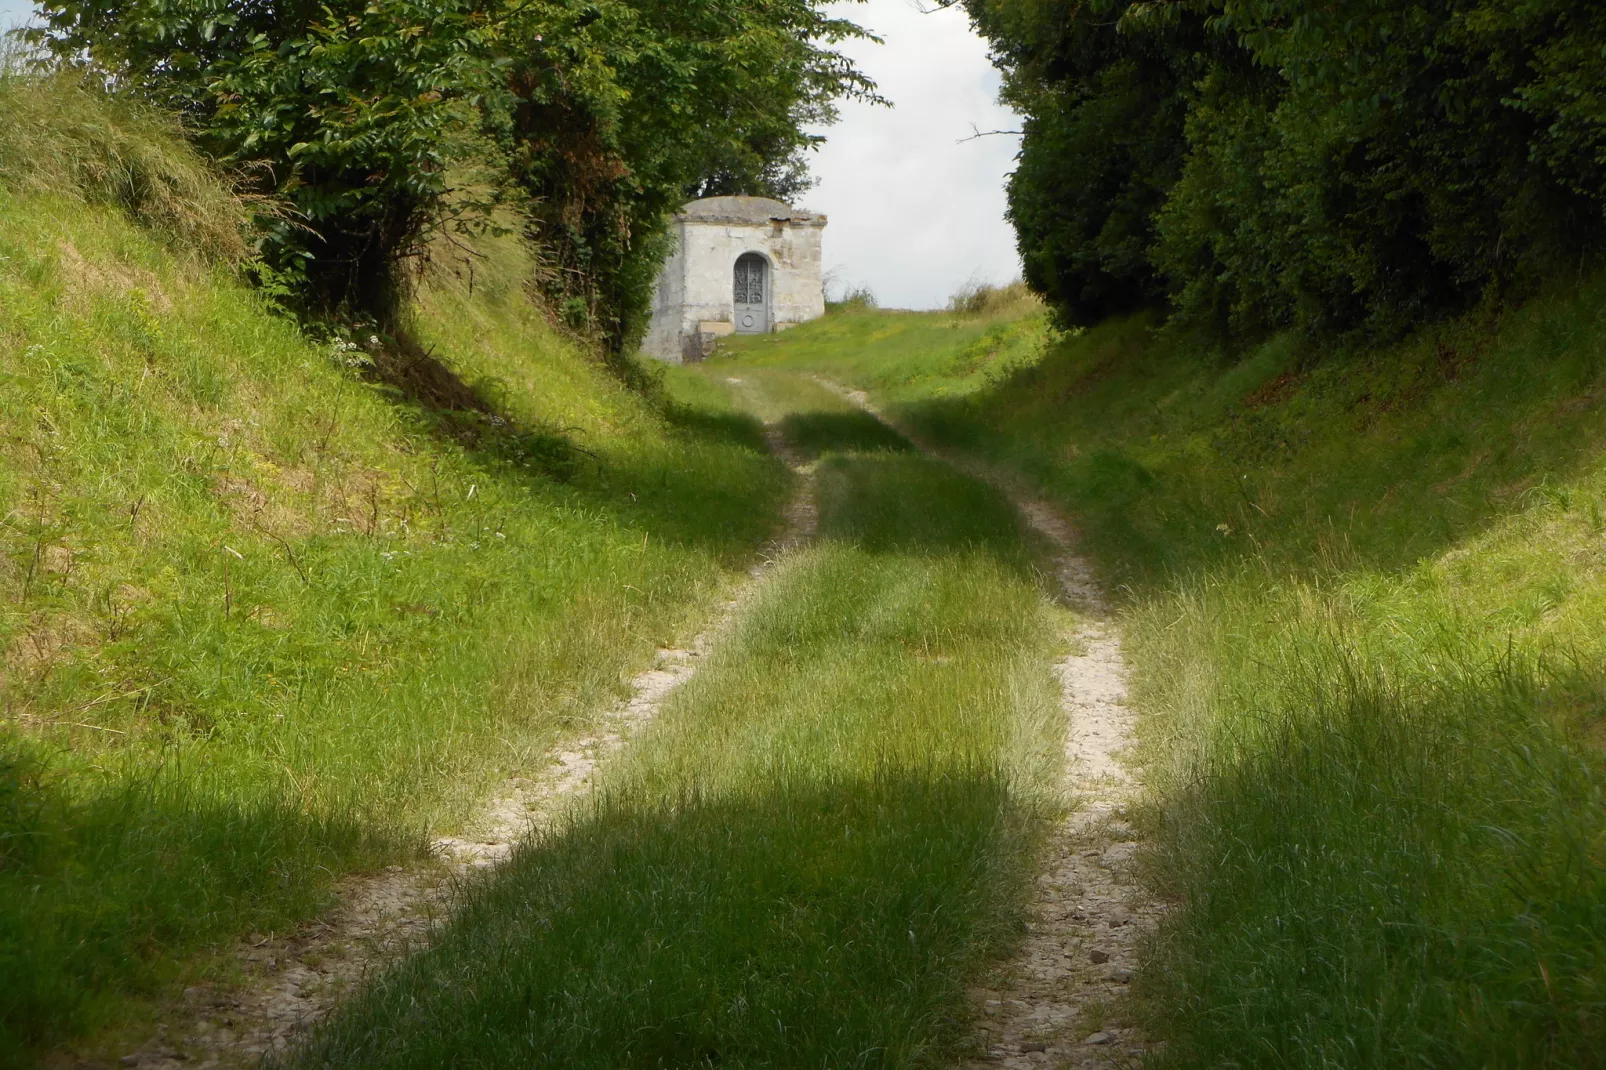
741,265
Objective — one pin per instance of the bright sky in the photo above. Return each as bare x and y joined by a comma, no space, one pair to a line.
13,12
913,214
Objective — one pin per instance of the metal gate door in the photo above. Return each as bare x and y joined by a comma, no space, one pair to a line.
752,296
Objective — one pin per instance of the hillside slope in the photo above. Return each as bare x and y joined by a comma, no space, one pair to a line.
1365,599
276,609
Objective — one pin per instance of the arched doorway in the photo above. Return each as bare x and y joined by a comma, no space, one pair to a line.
752,311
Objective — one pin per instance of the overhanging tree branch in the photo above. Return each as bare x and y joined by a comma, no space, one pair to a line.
979,133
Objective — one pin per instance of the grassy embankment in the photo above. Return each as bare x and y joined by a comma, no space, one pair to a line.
274,611
1365,597
815,845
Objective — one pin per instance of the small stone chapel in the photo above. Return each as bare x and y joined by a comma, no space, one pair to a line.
741,265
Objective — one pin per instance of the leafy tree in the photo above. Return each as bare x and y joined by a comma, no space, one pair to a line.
602,116
1364,164
352,112
626,109
1105,102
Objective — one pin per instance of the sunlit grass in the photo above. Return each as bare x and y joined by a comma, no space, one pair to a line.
1364,599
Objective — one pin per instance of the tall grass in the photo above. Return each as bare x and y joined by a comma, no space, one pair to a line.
817,843
1380,858
1365,601
270,613
62,137
987,299
860,298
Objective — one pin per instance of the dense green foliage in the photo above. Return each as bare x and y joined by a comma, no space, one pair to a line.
352,112
376,125
1264,163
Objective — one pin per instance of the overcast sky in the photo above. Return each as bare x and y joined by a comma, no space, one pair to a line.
913,214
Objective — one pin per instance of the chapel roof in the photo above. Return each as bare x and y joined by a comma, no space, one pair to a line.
753,210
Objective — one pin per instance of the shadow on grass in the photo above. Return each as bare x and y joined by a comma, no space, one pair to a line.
100,886
696,496
815,433
799,926
905,503
724,428
464,413
713,488
1395,877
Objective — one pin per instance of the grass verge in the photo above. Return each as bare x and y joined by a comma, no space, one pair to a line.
1365,599
274,610
816,844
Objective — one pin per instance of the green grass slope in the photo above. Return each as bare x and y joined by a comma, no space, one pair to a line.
272,609
1365,597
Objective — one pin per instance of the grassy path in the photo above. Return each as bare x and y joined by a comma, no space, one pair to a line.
1363,599
294,980
821,842
1060,997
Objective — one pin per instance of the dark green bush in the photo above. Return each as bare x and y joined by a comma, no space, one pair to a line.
1104,111
353,113
1256,164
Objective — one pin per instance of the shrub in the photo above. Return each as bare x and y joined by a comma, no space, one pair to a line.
985,299
1263,163
859,298
352,112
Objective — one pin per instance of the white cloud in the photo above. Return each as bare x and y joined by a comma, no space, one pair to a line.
914,214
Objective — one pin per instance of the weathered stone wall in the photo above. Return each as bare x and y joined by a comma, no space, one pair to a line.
694,301
668,324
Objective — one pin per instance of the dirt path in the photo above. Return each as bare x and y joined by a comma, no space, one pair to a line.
292,981
1058,1003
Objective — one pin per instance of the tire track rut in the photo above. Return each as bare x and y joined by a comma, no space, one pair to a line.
1058,1001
